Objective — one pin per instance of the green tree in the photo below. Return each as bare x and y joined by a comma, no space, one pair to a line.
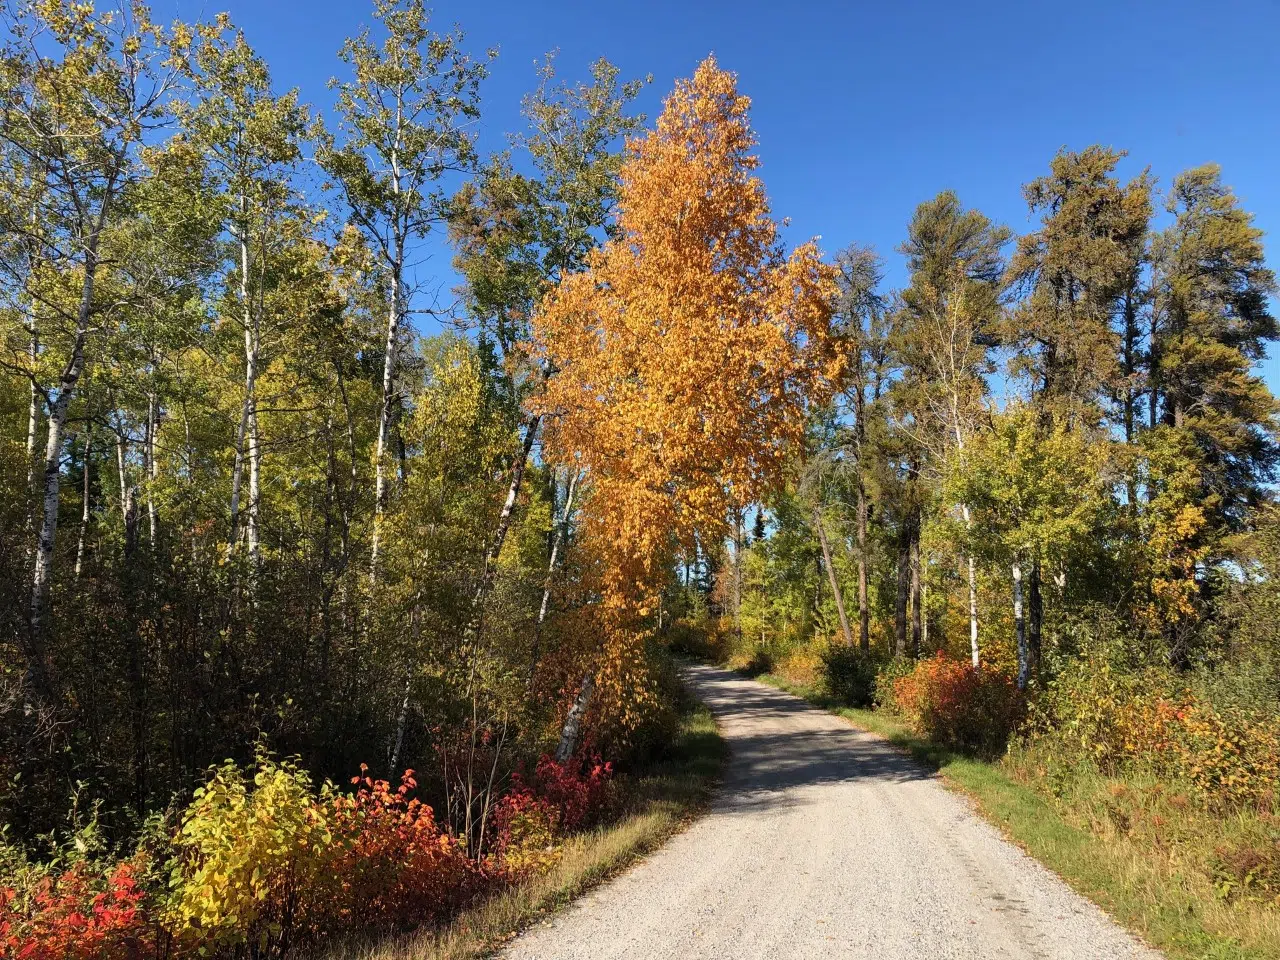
406,124
1035,493
944,333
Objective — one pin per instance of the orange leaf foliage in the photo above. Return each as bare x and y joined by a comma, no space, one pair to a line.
685,355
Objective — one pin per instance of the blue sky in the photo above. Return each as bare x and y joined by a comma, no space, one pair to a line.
865,109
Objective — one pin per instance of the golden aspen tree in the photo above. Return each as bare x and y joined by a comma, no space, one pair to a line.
688,352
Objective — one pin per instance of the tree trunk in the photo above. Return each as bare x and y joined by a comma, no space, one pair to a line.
864,606
84,509
504,523
1020,626
1035,620
38,668
737,570
402,719
152,468
33,418
572,729
247,434
389,354
562,534
904,577
973,610
917,612
831,577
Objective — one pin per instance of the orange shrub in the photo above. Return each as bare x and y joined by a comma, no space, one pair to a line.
953,704
1120,719
393,863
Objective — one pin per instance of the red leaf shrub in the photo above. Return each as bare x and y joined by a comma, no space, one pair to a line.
953,704
75,916
580,790
393,863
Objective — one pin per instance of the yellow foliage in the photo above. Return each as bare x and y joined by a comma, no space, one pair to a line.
685,358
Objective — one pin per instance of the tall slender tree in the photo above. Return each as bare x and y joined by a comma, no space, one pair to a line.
407,121
944,334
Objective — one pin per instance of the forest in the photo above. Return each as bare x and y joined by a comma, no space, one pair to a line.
329,602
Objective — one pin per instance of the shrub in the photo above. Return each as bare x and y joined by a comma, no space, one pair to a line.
1248,872
801,666
581,790
244,856
951,703
888,674
394,864
75,915
850,674
525,833
1120,719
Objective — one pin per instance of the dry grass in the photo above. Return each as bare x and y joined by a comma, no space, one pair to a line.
659,804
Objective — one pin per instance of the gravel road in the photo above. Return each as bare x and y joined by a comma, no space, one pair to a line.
826,842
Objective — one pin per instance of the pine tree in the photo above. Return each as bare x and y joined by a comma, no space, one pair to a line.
1214,323
943,338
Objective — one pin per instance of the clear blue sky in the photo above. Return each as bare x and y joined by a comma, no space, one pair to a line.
865,109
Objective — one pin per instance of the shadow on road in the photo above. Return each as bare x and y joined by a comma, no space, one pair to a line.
803,746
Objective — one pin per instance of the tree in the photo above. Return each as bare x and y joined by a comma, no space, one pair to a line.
688,353
1035,495
1210,453
407,123
1073,272
944,334
1076,273
518,235
82,92
861,315
252,140
1212,289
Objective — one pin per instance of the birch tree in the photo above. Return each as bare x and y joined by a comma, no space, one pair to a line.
518,235
83,91
945,331
406,124
252,139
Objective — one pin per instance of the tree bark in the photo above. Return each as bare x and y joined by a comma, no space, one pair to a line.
494,549
84,510
737,571
1035,620
904,576
973,607
1020,626
831,578
917,612
39,671
864,606
152,468
562,534
572,729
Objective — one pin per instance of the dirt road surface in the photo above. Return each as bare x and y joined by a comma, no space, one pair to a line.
824,841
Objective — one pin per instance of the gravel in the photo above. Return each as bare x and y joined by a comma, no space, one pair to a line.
827,842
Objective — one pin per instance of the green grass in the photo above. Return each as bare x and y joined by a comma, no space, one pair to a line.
658,804
1156,892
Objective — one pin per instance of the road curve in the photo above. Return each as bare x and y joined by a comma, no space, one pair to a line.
826,842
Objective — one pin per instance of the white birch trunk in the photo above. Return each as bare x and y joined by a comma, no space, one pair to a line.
151,468
572,729
381,491
562,534
831,577
84,511
43,567
1020,625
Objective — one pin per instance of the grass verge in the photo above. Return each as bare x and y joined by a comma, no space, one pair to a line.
658,804
1152,892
